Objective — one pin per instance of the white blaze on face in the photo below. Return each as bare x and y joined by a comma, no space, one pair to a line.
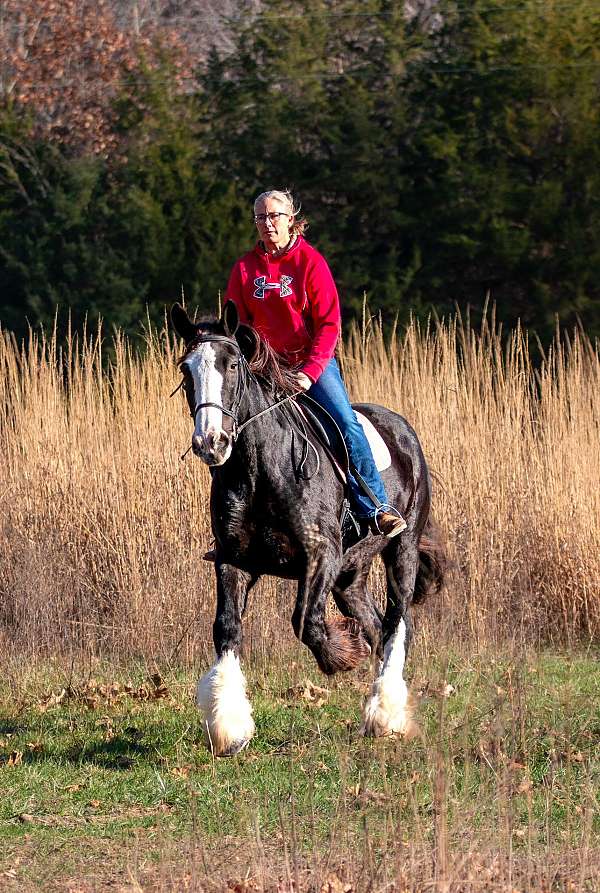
208,388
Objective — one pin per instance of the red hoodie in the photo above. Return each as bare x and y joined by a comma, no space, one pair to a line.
292,301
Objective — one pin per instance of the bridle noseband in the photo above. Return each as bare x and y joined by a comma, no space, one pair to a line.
240,387
233,412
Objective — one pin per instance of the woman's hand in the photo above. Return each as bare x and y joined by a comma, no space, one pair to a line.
303,381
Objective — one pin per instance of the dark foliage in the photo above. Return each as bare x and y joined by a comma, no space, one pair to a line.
440,158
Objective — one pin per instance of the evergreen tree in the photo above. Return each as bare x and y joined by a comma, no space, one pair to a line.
506,161
313,99
115,239
441,158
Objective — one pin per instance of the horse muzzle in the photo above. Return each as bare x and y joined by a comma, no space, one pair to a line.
213,448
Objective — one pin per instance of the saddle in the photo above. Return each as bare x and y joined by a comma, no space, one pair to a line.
324,428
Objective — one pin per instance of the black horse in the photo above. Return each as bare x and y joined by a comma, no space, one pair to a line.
271,516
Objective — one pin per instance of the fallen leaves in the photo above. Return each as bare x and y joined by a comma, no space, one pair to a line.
442,690
334,884
14,758
364,796
307,691
94,694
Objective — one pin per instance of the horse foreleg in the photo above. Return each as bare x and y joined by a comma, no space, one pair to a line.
221,693
336,644
353,598
387,709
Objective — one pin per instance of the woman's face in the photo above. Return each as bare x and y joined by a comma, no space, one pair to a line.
273,223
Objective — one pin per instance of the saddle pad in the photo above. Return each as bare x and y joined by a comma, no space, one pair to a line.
381,454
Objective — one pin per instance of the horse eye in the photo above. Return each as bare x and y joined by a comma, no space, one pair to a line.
234,365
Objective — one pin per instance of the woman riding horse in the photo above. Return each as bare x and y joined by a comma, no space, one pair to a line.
266,517
284,289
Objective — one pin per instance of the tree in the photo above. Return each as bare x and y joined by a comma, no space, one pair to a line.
65,62
442,157
506,161
313,98
116,239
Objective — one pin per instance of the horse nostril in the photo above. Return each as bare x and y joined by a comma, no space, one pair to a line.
218,440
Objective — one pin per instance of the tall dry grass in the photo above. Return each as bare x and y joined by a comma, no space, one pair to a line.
103,526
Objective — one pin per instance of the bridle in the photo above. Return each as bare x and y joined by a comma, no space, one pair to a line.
239,391
240,385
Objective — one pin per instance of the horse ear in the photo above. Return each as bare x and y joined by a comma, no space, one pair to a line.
182,323
230,319
247,339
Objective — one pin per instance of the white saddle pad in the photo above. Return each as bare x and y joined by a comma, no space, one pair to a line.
381,454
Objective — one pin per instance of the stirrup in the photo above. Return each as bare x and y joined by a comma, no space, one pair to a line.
388,523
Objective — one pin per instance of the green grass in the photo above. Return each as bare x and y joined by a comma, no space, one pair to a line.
509,759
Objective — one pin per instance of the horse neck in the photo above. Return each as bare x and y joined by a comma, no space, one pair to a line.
263,435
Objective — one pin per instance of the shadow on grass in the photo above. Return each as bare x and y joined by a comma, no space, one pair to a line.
121,751
9,727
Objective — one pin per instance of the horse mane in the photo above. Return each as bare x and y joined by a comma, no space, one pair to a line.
270,368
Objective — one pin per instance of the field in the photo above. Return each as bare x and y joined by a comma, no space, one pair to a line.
105,615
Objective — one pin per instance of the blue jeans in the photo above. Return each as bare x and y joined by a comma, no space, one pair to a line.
330,392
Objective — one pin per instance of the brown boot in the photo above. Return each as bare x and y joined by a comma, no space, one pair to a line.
388,524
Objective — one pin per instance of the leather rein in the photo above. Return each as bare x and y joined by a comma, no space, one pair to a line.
240,387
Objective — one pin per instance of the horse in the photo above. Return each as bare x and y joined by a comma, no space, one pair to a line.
269,516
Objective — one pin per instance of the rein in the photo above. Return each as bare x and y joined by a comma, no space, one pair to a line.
233,412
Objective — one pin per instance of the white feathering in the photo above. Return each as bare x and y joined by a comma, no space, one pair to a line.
386,712
221,696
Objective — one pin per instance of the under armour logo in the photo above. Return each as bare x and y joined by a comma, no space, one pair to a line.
261,286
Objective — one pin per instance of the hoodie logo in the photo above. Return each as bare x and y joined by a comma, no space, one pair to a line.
261,286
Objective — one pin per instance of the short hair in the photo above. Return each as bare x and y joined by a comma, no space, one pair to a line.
286,198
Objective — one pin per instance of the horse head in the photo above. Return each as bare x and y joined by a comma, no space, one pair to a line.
214,368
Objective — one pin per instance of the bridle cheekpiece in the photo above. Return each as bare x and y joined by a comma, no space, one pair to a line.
233,412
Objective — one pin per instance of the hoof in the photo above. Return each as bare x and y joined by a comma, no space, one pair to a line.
234,748
221,696
383,728
385,716
222,744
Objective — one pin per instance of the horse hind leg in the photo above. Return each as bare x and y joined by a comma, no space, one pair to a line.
346,647
337,644
387,710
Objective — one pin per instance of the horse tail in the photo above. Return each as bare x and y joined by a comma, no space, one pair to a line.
433,562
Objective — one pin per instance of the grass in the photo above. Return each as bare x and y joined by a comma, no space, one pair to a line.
105,782
507,762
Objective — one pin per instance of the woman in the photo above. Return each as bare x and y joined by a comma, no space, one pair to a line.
285,290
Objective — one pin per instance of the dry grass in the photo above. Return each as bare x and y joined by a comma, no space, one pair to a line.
103,526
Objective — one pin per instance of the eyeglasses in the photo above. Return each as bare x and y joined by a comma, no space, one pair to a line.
273,217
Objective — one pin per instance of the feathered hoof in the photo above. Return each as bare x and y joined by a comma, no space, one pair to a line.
227,742
234,748
221,696
381,722
382,728
345,648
